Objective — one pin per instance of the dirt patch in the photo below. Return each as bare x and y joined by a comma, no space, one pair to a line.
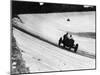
17,63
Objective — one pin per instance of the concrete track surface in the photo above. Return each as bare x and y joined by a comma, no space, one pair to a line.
41,56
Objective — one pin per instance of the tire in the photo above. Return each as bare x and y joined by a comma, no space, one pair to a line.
76,48
60,41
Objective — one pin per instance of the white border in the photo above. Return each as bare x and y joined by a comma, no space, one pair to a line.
5,37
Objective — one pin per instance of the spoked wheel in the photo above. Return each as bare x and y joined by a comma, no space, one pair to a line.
76,47
60,41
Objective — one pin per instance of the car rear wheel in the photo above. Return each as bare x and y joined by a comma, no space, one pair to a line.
76,48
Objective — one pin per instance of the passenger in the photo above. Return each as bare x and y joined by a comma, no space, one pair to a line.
70,37
71,40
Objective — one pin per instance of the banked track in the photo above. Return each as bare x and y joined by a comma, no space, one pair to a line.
79,52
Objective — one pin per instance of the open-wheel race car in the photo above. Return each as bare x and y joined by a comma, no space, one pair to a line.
68,43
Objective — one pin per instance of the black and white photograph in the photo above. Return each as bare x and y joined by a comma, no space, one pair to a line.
52,37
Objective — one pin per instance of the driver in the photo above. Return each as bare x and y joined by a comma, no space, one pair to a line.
66,38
